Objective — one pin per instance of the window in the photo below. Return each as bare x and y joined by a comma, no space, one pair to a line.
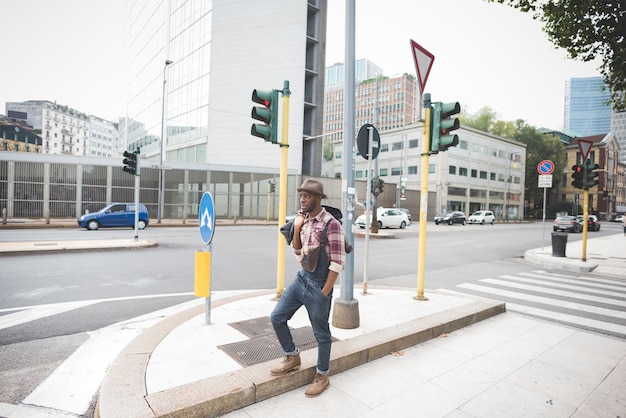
432,168
452,169
384,147
463,144
492,176
412,169
483,175
413,143
462,171
383,172
396,171
474,173
358,174
396,146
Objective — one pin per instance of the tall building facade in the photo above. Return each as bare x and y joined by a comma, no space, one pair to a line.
388,103
618,127
587,111
194,65
363,70
63,130
103,138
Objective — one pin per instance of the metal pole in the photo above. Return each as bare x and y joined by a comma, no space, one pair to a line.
368,208
543,233
348,188
163,134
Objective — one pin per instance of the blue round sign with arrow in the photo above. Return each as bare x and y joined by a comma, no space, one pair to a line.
206,218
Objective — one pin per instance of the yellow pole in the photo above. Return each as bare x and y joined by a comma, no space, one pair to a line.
282,201
585,222
421,257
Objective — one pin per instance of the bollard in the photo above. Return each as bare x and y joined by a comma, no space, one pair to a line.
4,216
559,243
46,214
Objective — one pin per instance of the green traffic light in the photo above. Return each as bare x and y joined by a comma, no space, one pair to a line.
591,176
578,176
442,124
267,113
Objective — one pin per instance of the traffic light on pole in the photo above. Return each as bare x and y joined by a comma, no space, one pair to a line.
591,176
578,176
131,162
266,113
375,186
442,124
381,185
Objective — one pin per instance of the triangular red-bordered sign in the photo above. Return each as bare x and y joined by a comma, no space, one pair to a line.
423,63
584,146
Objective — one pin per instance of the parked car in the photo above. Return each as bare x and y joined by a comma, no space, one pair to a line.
592,222
482,217
619,218
387,218
567,223
291,216
450,218
115,215
408,214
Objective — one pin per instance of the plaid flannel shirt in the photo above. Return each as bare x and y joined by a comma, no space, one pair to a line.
311,237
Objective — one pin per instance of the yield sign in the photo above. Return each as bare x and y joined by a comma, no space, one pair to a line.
584,146
423,62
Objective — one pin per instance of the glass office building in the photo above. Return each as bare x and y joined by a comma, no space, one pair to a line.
587,111
193,66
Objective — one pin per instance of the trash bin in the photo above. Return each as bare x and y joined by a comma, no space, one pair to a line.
559,242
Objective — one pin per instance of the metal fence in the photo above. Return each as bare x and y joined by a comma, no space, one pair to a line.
40,185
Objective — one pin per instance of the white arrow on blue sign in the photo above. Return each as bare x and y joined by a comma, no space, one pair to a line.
206,218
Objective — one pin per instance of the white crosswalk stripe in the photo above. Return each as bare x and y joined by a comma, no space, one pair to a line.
590,303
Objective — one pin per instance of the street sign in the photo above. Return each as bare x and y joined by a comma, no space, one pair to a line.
363,138
545,180
423,62
206,218
584,146
545,167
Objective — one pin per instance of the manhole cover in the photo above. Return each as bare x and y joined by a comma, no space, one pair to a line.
254,327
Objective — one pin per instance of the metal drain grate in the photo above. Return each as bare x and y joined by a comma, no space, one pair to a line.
254,327
267,347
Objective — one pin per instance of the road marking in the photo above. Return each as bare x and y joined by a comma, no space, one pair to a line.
26,314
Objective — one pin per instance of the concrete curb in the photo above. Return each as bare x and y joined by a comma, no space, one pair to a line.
544,258
123,392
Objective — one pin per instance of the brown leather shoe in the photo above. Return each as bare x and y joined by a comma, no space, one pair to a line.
288,364
319,385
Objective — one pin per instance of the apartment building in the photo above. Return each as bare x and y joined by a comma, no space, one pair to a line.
63,130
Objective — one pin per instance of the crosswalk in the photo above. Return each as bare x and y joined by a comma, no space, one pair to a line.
591,303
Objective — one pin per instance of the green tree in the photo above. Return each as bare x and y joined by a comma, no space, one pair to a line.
586,29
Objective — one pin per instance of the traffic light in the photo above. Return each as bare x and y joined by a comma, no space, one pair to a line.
591,176
441,125
375,186
578,176
266,113
131,162
272,187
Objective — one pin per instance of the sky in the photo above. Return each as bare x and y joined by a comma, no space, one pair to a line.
486,54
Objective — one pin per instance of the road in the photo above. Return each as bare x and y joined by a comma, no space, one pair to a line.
51,304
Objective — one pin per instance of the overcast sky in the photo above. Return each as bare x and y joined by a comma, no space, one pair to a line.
486,54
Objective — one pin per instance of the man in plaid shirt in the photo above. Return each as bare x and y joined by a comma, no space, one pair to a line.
313,286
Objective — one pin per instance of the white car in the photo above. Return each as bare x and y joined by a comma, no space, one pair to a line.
482,217
387,218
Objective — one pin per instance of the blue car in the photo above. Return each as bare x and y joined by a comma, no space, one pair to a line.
115,215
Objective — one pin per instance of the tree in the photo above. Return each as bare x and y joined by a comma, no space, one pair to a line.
586,29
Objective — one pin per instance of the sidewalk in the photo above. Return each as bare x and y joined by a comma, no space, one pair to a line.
453,355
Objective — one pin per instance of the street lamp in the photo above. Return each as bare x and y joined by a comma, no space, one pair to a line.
508,188
163,133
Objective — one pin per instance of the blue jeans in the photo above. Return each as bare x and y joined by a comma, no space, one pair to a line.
305,290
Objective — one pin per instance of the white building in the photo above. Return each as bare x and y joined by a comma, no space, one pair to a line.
103,138
194,65
63,130
484,172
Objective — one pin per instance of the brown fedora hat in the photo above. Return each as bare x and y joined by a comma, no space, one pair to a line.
312,186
